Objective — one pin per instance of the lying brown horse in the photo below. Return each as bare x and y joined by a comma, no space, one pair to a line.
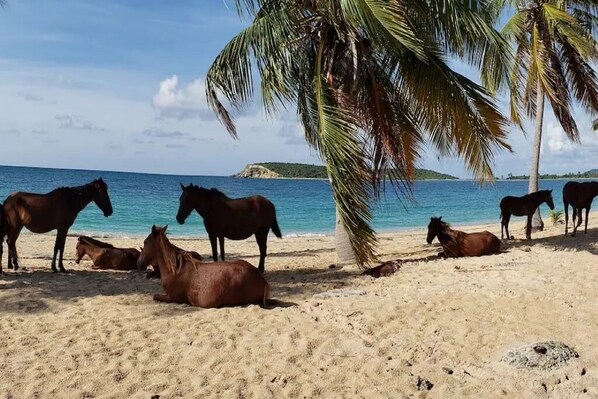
224,217
457,244
523,206
106,256
156,272
580,196
57,210
207,285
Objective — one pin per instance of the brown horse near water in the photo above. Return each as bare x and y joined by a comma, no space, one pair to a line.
2,234
105,255
224,217
207,285
580,196
457,244
523,206
56,210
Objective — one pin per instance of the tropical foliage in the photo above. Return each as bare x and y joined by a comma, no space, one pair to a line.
371,84
555,49
556,217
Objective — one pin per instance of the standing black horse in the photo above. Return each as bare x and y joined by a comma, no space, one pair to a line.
224,217
523,206
56,210
580,196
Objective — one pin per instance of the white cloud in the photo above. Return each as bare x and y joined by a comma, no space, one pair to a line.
172,101
557,140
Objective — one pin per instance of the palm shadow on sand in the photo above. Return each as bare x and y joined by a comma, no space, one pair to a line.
581,242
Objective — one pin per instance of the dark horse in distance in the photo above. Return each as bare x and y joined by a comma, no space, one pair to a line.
523,206
2,233
233,218
456,244
580,196
56,210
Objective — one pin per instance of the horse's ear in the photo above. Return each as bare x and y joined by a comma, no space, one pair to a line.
101,180
182,186
164,228
550,191
439,218
154,230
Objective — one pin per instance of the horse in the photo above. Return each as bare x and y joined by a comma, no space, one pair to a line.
156,272
580,196
206,285
523,206
457,244
56,210
106,256
224,217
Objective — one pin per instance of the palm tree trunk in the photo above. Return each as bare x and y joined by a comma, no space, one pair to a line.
537,223
344,251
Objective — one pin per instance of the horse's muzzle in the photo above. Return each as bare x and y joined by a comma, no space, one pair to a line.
141,265
180,220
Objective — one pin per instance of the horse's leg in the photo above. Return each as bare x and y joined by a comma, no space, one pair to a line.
162,298
528,227
587,217
11,243
213,239
262,242
60,241
566,218
576,220
221,239
506,219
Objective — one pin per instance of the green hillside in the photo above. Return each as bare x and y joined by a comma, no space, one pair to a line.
590,174
305,171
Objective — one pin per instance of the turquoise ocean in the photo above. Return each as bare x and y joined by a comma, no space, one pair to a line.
303,207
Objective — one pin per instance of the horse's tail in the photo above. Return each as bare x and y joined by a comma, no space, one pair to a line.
275,228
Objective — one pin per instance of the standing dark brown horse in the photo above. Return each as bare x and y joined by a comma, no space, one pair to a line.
456,244
2,233
57,210
523,206
224,217
580,196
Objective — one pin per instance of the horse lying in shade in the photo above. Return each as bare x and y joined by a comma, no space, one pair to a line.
207,285
106,256
580,196
457,244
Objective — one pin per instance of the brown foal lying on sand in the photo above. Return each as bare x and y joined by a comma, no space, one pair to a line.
106,256
456,244
207,285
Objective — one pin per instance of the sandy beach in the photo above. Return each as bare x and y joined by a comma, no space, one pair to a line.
99,334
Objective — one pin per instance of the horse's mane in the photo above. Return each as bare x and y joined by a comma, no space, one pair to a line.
96,242
218,193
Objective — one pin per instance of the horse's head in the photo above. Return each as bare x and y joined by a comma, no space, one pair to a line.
186,202
435,227
99,195
79,250
548,199
151,248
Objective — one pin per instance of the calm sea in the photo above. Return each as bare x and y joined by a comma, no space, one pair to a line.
303,207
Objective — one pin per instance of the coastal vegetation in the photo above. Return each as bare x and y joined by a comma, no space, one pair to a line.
590,174
306,171
371,83
554,52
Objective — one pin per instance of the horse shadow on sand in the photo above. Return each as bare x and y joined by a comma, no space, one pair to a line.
581,242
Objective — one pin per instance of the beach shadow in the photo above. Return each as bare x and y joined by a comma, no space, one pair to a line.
581,242
29,291
308,282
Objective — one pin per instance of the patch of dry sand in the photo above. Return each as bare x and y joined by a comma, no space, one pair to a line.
98,334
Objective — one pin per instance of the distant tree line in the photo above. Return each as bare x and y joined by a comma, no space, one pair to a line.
590,174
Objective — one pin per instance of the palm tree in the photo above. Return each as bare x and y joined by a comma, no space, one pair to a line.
554,51
371,85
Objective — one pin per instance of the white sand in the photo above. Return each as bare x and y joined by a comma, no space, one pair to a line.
98,334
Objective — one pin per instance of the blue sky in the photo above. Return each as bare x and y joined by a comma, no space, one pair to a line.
118,85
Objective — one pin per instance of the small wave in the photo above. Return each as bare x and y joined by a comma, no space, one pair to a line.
305,235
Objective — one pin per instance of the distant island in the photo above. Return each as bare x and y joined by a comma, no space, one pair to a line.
590,174
280,170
